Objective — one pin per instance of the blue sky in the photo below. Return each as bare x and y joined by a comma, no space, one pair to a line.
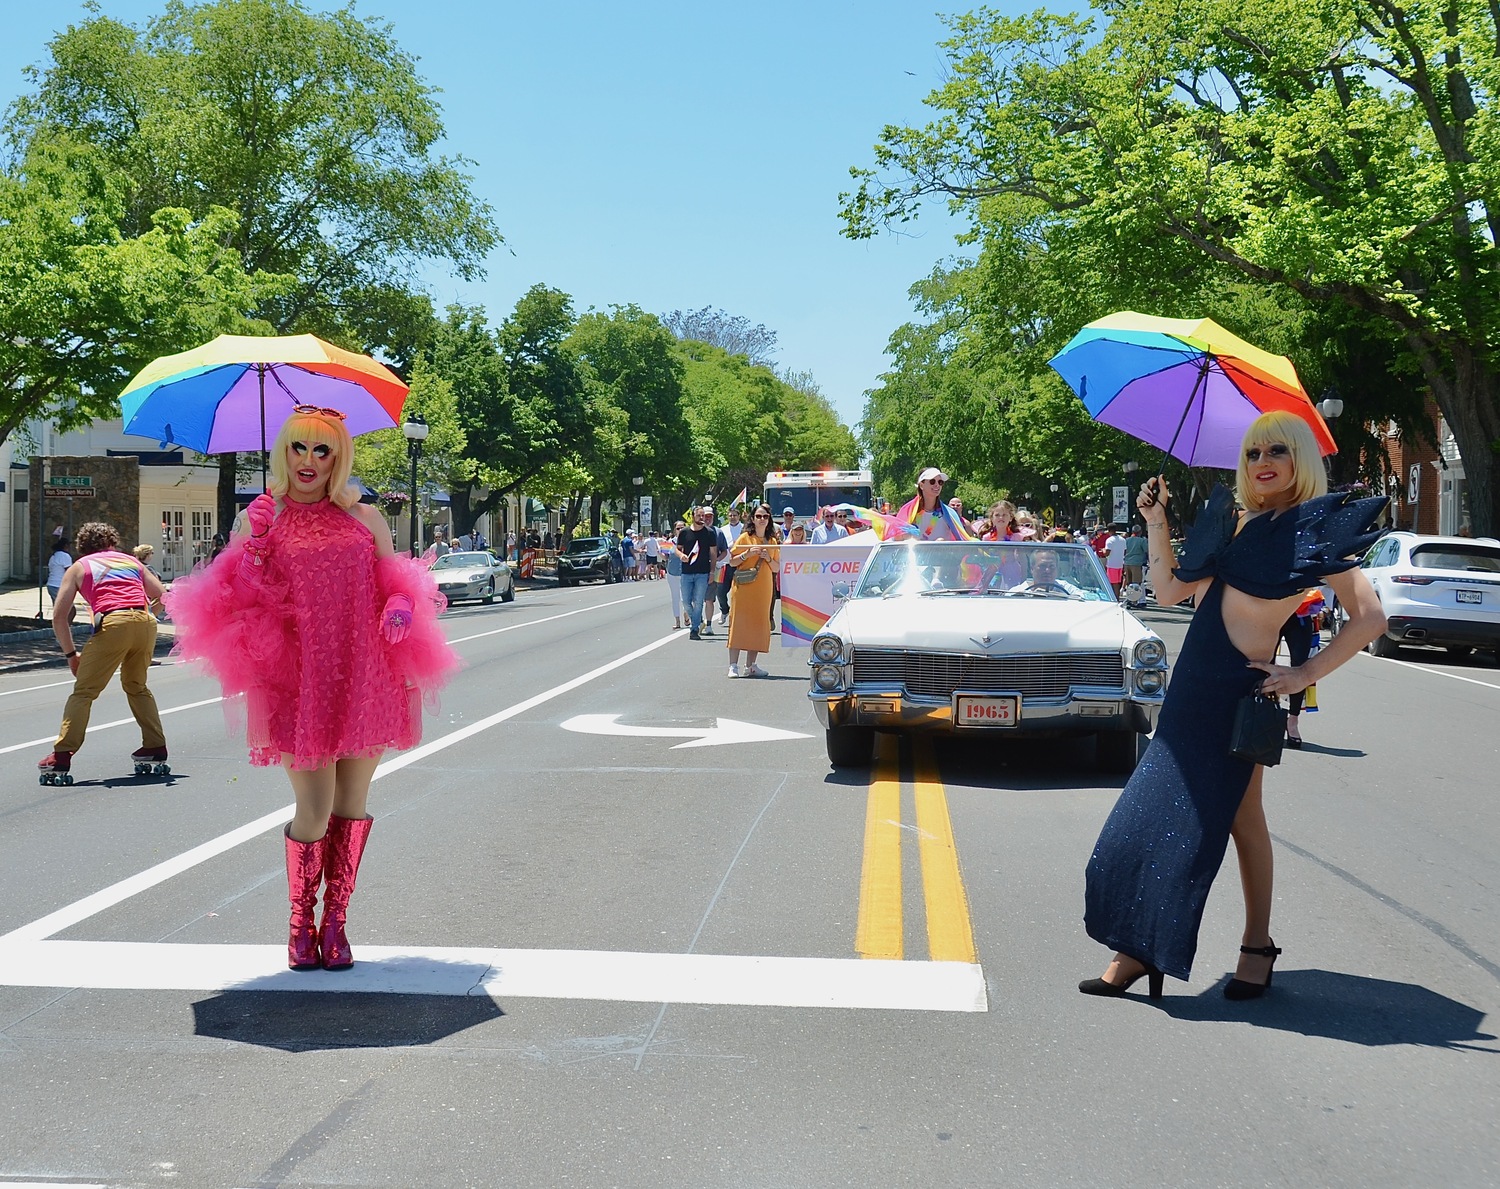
671,155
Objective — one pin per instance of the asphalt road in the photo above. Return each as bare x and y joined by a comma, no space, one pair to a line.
612,959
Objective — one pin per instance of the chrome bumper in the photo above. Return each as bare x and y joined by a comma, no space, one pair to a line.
1083,710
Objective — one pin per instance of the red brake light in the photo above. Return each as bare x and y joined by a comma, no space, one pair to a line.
1411,580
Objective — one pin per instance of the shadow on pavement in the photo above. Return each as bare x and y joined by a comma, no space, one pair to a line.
1348,1007
305,1022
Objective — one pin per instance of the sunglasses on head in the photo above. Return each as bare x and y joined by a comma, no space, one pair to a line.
1275,450
334,413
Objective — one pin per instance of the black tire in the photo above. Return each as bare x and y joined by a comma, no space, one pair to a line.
489,594
1384,646
1119,751
509,594
565,582
1460,650
850,747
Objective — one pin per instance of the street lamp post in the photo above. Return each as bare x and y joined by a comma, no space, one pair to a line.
637,481
415,430
1330,406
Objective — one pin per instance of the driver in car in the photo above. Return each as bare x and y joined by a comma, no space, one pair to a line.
1044,576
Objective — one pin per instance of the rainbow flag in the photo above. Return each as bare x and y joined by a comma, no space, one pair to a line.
740,500
874,519
799,622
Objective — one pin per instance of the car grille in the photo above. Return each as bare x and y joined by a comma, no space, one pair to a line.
938,674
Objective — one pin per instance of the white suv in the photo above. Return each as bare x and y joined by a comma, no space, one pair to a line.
1436,590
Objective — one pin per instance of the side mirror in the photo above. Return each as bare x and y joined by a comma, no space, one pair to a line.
840,591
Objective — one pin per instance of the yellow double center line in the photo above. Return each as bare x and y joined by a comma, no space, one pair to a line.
880,931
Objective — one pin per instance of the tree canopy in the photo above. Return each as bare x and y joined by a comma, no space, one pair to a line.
1341,157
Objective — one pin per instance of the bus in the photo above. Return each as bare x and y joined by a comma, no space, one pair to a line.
804,492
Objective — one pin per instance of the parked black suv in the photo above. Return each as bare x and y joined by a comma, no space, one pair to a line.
588,558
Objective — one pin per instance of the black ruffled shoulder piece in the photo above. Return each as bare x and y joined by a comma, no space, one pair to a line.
1274,557
1207,539
1333,532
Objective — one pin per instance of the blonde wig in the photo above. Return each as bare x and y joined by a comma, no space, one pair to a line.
316,429
1280,427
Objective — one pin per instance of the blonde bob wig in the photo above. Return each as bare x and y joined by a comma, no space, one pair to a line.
1282,428
315,429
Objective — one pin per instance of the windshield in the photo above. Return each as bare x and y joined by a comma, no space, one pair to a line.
1479,558
461,561
805,501
585,544
937,568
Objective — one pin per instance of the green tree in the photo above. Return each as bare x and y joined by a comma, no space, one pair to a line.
1344,153
83,304
316,130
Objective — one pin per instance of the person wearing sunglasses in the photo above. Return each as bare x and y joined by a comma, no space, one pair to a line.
755,554
925,516
830,528
332,640
1160,849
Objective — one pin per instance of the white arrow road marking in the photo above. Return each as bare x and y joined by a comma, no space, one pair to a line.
727,730
506,973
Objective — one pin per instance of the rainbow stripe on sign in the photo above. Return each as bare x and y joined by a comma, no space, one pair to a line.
799,621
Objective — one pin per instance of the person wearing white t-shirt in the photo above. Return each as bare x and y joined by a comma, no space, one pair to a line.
1114,558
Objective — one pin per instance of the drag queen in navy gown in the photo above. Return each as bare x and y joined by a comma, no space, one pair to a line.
1160,849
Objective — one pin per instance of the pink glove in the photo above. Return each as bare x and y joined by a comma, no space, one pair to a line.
260,514
395,620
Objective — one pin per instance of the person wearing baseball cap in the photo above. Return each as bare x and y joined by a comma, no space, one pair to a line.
925,516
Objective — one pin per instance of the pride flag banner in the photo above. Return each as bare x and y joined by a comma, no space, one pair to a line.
808,575
740,500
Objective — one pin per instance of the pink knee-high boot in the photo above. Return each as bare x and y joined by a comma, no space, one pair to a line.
304,872
343,847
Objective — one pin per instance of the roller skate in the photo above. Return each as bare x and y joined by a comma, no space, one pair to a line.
54,769
150,761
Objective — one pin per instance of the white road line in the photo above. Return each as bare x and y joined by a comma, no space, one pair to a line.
1407,665
507,973
546,619
457,640
104,726
105,898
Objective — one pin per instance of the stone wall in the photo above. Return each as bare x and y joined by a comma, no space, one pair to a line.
116,499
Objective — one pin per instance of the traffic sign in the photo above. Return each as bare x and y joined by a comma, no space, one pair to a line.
1414,483
71,481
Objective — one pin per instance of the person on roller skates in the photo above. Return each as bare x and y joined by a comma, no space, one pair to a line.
122,594
331,638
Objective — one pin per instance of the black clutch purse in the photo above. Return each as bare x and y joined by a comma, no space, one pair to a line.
1259,730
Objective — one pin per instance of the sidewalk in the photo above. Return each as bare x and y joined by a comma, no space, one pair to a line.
36,648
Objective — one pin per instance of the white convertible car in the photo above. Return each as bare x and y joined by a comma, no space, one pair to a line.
967,637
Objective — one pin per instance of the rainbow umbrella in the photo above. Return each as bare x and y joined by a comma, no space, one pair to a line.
234,392
1185,385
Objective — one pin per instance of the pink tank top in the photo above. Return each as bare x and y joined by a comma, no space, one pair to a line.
112,582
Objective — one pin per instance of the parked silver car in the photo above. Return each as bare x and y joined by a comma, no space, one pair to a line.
970,637
474,575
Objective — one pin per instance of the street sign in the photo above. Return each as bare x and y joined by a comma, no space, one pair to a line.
70,493
71,481
1414,484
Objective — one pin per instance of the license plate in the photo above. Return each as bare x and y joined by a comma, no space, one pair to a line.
1469,596
971,711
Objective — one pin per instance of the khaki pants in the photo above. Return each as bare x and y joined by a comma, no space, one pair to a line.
125,641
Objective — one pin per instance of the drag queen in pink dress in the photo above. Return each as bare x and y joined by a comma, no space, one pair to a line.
332,640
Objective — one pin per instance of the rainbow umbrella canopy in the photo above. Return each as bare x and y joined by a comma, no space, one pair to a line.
1185,385
235,392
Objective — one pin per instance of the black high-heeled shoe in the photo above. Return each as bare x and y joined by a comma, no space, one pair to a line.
1294,742
1098,986
1238,988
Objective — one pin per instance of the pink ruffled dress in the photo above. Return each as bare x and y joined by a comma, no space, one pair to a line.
304,645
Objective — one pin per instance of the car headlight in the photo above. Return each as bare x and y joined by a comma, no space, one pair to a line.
1150,681
827,677
1150,652
827,648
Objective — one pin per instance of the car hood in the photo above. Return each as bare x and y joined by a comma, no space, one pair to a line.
460,573
958,623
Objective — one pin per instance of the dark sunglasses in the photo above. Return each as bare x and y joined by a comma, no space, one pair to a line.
318,410
1276,450
761,516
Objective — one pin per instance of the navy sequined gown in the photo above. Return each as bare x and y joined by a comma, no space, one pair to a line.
1163,842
